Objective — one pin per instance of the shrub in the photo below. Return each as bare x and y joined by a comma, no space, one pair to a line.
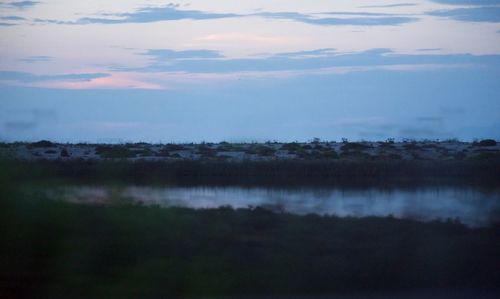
330,154
206,151
354,146
64,153
41,143
265,151
163,153
460,155
174,147
485,142
322,155
486,156
411,146
291,147
115,152
145,152
228,147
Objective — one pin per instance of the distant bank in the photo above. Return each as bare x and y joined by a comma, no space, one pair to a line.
270,151
258,163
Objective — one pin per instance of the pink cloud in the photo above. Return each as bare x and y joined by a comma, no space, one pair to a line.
174,80
115,81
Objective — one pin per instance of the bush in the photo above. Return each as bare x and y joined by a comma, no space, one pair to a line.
265,151
115,152
206,151
291,147
64,153
354,146
485,142
174,147
41,143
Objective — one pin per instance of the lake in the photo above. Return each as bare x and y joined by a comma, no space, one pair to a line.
475,207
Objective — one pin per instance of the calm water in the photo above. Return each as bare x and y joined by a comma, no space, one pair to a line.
472,206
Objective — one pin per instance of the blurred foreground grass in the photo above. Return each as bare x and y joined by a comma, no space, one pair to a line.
54,249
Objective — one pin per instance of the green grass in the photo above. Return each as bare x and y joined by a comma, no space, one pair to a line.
115,152
54,249
483,170
61,250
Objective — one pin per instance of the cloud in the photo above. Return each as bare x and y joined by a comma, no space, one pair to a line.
169,69
389,5
238,37
22,4
422,133
362,19
171,12
28,77
308,54
113,81
428,49
19,125
475,14
312,59
180,79
155,14
468,2
367,14
33,59
452,111
430,119
23,119
12,18
167,54
386,21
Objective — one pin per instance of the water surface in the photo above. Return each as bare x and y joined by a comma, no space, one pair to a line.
472,206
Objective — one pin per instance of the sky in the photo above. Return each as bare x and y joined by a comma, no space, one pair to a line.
243,71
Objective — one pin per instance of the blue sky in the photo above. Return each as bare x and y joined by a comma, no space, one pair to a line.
117,71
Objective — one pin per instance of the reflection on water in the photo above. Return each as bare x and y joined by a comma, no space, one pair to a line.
471,206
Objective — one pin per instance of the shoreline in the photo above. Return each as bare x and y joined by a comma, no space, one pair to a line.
487,149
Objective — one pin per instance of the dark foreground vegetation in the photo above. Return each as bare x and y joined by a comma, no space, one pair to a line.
256,172
54,249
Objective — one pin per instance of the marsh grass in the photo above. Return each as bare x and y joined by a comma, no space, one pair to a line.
483,169
55,249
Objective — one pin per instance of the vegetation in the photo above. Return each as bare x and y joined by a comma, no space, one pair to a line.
291,147
206,151
174,147
485,142
41,143
481,170
64,153
115,152
354,146
54,249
